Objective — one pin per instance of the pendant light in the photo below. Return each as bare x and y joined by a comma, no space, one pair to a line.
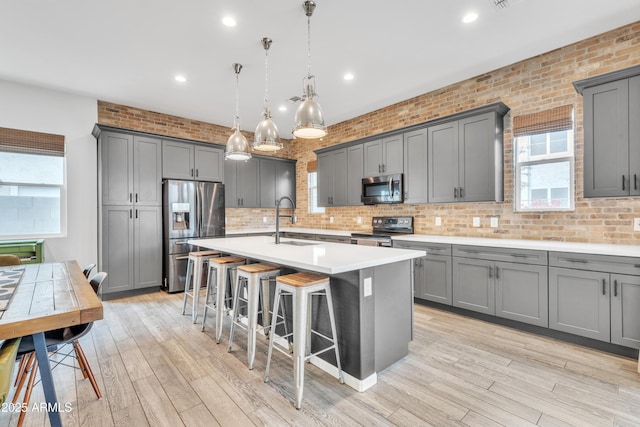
309,119
237,145
266,135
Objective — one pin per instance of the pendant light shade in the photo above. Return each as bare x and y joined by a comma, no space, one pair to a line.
309,118
266,136
237,145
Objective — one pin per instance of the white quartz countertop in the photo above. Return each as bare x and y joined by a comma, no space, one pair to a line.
541,245
321,257
288,229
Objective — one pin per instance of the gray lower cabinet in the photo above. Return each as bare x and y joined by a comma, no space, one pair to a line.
579,302
625,310
432,273
416,178
183,160
485,280
131,247
277,179
241,183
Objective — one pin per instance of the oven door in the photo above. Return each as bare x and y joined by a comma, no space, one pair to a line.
382,189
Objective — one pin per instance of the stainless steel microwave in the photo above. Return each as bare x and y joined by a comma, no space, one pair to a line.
382,189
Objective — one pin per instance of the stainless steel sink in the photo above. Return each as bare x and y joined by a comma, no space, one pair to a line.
297,243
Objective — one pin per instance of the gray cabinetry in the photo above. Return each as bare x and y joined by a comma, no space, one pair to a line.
612,133
241,184
130,237
277,179
432,272
465,160
595,296
487,281
416,178
183,160
384,156
332,177
355,173
130,169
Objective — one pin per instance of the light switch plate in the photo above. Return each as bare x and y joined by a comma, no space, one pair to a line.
330,220
367,287
359,220
438,221
494,222
264,219
636,224
476,221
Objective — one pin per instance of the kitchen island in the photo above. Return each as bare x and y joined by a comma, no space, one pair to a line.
372,291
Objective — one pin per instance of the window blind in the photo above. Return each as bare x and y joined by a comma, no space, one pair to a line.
554,120
27,142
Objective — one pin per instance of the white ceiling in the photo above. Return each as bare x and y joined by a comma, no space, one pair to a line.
128,51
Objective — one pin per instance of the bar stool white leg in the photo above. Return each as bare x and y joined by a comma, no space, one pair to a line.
197,283
235,302
300,322
187,283
211,286
252,309
334,334
274,321
266,321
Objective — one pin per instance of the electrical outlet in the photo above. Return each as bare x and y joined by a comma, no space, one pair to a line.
330,220
476,221
367,287
359,220
438,221
264,219
636,224
494,222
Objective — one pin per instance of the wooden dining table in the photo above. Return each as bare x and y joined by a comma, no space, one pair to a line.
49,296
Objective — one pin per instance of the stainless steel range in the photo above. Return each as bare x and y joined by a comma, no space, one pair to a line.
384,227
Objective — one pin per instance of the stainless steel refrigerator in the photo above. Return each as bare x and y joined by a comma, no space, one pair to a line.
191,210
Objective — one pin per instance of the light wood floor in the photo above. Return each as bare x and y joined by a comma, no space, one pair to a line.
156,368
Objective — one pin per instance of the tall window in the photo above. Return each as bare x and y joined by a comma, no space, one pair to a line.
313,193
544,160
32,184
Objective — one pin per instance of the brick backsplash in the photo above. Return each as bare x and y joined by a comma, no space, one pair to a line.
529,86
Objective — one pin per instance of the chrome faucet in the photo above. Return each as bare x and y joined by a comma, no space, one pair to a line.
292,216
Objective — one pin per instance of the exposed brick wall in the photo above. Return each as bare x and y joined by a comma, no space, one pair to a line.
529,86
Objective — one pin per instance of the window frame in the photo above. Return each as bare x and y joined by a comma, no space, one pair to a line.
547,158
312,195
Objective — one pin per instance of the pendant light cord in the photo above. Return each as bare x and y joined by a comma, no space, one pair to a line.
266,78
236,119
309,47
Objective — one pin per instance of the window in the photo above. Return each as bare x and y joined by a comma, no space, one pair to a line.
313,193
32,184
544,161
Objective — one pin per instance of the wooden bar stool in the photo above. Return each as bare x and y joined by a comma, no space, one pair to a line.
255,278
195,264
302,287
222,266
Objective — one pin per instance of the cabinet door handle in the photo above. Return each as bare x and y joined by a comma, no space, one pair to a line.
384,167
490,272
130,213
130,197
136,197
136,213
461,193
623,187
191,172
197,172
497,272
635,182
615,288
455,192
604,286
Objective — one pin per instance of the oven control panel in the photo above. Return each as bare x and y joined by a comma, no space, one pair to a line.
393,223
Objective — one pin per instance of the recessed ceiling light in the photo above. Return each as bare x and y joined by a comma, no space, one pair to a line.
470,17
348,76
180,78
282,108
229,21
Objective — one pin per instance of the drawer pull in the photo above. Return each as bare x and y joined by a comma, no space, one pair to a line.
490,272
519,256
604,286
466,251
615,288
574,261
431,248
497,272
636,265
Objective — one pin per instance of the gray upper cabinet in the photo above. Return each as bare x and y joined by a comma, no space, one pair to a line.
416,178
241,183
465,160
209,163
355,173
131,169
183,160
611,133
332,177
384,156
277,179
